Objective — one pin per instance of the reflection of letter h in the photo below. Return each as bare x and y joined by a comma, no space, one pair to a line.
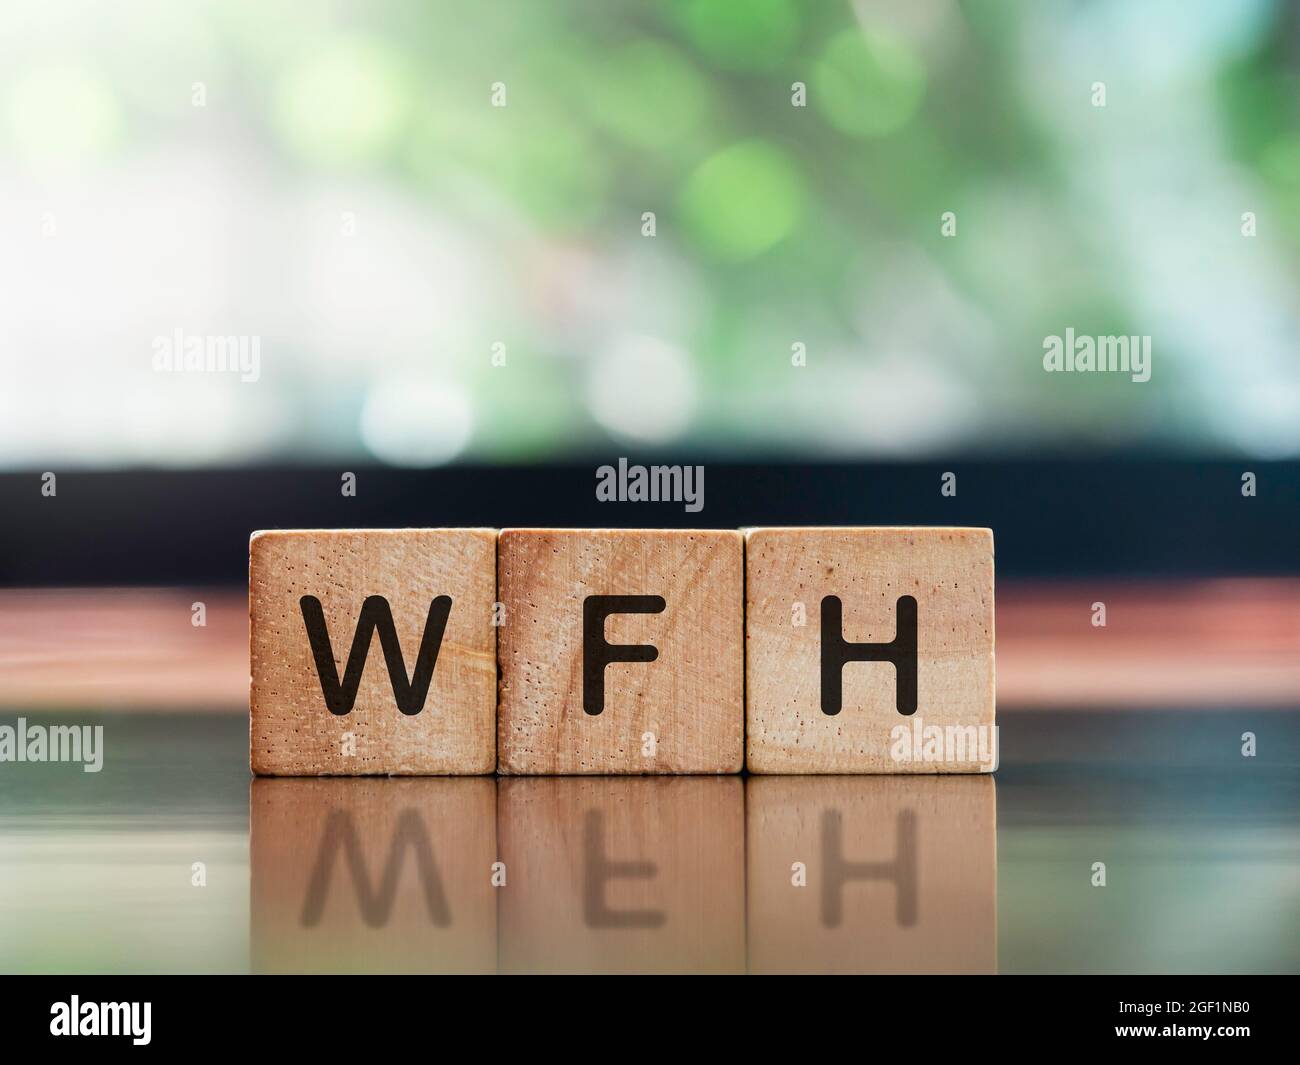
836,870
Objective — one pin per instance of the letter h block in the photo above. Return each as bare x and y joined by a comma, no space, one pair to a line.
869,650
621,651
372,652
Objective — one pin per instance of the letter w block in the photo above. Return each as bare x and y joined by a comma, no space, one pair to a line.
373,652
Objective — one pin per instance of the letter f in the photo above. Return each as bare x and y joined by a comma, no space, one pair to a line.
597,652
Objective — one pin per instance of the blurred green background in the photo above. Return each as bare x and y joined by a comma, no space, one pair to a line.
431,219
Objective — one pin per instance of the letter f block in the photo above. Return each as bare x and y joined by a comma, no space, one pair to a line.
622,651
869,650
372,651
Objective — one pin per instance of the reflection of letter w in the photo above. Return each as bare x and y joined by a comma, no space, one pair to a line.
375,615
376,906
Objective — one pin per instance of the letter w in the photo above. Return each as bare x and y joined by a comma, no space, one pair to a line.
375,614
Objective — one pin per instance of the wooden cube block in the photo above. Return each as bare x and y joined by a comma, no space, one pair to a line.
363,876
869,650
621,651
372,651
872,874
641,875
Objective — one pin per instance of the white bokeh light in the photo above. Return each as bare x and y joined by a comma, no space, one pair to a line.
416,422
643,389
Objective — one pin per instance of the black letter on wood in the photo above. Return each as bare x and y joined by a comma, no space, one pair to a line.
837,652
597,653
375,615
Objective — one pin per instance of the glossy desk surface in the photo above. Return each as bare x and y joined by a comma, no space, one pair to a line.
172,858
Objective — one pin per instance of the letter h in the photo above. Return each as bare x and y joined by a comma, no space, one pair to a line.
838,652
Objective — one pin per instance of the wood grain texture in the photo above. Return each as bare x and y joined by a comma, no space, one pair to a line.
901,874
949,573
366,876
631,875
293,732
690,698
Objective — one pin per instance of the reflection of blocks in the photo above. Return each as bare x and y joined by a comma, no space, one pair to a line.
373,875
900,875
373,651
623,875
869,650
621,651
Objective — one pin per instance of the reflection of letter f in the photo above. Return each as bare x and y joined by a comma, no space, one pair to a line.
598,870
